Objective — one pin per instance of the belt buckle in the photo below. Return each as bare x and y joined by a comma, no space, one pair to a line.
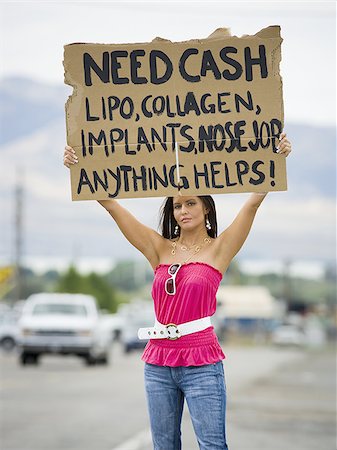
173,334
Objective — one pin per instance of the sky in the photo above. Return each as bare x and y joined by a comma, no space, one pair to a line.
308,28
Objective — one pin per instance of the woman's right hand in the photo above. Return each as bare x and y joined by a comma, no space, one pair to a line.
69,156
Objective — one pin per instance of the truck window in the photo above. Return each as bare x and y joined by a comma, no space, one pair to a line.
59,308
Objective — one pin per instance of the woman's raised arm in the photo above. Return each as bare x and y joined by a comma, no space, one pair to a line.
232,239
145,239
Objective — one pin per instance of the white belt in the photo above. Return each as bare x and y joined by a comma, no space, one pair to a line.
172,331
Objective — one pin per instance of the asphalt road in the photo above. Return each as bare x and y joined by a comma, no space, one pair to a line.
277,399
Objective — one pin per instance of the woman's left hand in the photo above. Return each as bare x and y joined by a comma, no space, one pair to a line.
284,145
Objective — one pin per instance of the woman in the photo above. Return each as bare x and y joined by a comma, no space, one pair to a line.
183,359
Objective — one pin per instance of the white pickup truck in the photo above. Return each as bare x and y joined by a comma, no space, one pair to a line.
62,324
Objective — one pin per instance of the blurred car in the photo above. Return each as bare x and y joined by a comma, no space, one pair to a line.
137,314
288,335
8,330
63,324
114,323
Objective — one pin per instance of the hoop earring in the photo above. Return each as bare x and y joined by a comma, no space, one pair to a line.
176,230
208,224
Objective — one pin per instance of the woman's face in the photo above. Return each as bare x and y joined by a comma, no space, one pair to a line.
189,212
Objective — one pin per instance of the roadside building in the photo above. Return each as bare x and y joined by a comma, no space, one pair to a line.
247,309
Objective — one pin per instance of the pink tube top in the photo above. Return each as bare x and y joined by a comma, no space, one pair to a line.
196,287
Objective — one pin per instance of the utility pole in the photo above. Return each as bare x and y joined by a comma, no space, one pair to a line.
18,291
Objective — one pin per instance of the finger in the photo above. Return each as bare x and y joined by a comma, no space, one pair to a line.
70,152
283,145
70,155
70,159
67,147
280,143
283,138
285,149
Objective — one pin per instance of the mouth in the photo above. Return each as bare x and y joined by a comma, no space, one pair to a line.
185,220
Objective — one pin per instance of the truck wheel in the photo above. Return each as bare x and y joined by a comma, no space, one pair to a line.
36,359
7,344
90,360
29,358
104,360
23,359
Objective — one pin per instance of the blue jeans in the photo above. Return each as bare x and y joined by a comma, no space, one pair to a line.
205,391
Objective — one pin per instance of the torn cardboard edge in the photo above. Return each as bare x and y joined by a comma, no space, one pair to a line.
272,32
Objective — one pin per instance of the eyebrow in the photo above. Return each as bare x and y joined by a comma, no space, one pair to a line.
188,200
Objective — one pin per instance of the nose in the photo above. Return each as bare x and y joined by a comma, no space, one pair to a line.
183,209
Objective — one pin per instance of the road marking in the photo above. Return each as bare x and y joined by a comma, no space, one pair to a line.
137,442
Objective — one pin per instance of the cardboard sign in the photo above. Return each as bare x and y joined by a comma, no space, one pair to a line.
203,116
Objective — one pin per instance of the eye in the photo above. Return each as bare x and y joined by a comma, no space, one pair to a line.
176,206
191,203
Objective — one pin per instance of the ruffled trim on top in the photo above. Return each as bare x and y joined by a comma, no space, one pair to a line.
190,263
161,354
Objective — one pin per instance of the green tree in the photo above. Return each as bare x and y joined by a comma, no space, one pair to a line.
93,284
105,294
130,275
71,282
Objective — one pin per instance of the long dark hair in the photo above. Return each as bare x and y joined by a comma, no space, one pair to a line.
168,223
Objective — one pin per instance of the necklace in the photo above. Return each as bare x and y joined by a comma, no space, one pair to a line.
197,248
184,247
